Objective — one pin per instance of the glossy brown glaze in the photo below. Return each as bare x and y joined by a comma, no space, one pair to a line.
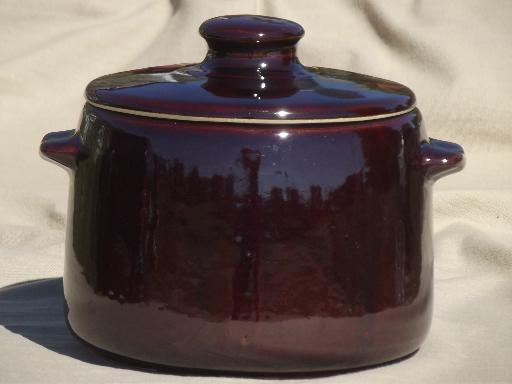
245,247
250,33
251,71
233,247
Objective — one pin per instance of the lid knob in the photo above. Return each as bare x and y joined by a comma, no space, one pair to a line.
250,33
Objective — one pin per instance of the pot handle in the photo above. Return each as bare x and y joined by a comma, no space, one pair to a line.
440,158
65,148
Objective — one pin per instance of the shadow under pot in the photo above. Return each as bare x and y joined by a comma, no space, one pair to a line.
248,213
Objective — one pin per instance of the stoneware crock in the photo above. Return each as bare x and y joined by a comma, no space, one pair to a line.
249,213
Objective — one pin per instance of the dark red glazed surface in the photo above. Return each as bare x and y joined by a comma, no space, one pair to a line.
233,247
244,247
247,32
245,75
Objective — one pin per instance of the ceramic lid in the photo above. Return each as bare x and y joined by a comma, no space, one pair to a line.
251,74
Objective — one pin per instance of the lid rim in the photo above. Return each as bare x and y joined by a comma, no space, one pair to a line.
187,90
258,121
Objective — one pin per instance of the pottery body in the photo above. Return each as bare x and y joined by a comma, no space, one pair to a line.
227,245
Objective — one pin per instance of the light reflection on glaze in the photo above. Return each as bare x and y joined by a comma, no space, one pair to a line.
238,247
251,82
306,93
240,229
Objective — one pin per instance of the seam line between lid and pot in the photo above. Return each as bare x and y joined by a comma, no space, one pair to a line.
168,116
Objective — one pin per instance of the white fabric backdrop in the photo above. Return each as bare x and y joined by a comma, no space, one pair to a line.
456,56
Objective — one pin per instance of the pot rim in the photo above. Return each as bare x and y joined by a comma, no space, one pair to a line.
167,116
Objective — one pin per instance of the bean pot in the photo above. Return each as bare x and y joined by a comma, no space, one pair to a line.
249,213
